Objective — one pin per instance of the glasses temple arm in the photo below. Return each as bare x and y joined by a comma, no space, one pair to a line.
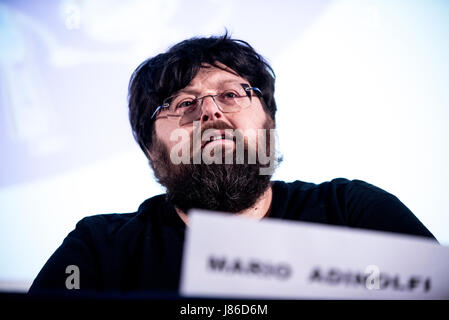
155,111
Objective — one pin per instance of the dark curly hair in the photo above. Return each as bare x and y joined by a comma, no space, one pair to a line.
161,76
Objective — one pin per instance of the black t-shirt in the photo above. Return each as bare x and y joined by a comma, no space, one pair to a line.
142,251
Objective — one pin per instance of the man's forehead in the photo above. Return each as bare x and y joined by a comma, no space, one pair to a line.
211,76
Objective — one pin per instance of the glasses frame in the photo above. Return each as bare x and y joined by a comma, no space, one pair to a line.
166,105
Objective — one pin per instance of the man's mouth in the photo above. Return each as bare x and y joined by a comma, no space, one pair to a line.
220,135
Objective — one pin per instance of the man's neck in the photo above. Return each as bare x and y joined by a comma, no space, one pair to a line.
258,211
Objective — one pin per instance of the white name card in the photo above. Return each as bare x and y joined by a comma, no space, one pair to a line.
228,256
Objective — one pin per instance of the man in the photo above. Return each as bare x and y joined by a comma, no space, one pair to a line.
204,114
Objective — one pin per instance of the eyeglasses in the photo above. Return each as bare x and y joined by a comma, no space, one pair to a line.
186,108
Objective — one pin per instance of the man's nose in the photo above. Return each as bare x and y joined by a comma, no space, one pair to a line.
210,110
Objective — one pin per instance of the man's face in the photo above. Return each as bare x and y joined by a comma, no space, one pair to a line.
207,82
229,187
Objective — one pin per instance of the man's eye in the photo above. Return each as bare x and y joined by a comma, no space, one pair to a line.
186,104
229,95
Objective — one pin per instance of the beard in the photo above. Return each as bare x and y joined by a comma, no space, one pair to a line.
218,187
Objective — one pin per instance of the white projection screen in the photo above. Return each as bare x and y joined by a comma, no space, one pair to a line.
362,93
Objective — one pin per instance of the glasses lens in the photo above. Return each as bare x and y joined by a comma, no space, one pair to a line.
233,98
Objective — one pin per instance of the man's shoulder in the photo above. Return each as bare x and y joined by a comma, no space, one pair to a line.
339,183
111,223
336,192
